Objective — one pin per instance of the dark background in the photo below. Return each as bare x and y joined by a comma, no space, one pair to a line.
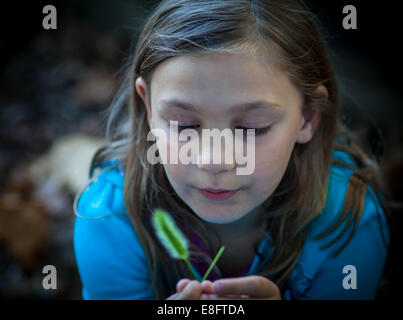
55,83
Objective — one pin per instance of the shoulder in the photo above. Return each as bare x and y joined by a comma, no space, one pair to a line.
103,194
367,247
110,259
339,179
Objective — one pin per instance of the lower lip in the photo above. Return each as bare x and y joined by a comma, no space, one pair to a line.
217,196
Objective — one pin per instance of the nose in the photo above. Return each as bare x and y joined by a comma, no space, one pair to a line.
206,161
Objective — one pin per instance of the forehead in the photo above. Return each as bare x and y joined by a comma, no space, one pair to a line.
220,79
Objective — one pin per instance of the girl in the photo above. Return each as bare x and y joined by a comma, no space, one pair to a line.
306,224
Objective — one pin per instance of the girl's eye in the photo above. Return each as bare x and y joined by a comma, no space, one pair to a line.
180,128
258,131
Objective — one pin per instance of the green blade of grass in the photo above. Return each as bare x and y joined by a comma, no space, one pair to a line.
172,238
192,269
174,241
214,262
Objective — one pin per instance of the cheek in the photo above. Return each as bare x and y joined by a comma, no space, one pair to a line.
272,159
177,173
268,175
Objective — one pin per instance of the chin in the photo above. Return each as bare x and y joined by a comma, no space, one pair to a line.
218,219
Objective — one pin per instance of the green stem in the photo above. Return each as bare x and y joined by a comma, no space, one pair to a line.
214,262
192,269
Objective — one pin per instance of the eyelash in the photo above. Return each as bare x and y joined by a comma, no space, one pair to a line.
258,131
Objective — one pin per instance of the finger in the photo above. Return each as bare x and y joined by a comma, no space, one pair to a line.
182,284
207,286
173,297
205,296
253,286
192,291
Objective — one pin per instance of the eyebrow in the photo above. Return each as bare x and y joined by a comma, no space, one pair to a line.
241,107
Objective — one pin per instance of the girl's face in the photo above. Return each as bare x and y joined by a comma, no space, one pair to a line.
218,87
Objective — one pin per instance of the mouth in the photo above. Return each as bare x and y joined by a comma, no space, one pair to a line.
217,194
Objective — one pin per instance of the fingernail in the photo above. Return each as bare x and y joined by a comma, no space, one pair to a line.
180,282
207,286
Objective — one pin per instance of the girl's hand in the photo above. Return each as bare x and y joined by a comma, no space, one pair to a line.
250,287
187,289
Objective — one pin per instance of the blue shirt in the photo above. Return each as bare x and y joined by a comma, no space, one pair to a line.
112,263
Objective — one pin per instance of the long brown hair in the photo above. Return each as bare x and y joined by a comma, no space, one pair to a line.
286,28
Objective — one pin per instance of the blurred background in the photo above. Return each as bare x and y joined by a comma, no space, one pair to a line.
55,86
